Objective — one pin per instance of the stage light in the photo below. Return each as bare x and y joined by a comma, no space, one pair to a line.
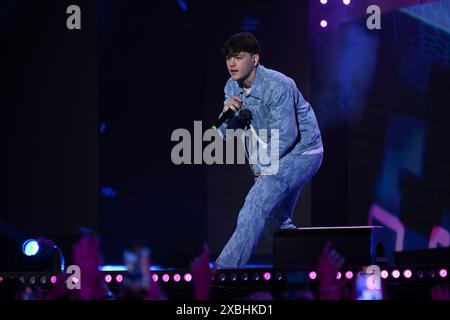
119,278
442,273
420,274
323,1
41,255
431,273
395,274
346,2
312,275
323,23
407,273
338,275
244,276
53,279
278,276
108,278
22,279
75,280
1,279
371,284
187,277
255,276
32,280
267,276
155,277
165,277
102,127
349,274
30,247
43,280
176,277
233,277
221,277
183,5
384,274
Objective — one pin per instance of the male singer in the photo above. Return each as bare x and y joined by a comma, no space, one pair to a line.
275,103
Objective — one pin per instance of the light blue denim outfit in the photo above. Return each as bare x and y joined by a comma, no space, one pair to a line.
275,103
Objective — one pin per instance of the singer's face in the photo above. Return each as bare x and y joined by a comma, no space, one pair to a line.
241,65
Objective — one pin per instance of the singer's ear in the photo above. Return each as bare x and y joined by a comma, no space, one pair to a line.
255,59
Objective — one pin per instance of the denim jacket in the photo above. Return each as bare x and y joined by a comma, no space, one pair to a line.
276,103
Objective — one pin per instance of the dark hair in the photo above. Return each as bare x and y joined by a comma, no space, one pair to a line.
243,41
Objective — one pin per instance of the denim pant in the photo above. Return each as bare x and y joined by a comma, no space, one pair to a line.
269,205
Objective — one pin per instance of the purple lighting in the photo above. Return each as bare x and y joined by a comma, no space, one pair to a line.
346,2
312,275
176,277
323,1
266,276
407,273
384,274
349,274
53,279
155,277
371,283
396,274
323,23
108,278
442,273
165,277
187,277
119,278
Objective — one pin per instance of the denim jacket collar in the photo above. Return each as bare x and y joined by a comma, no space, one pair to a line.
256,84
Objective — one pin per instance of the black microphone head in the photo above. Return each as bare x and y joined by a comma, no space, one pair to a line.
225,116
244,118
245,114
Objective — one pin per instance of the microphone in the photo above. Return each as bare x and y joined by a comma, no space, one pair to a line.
225,116
244,119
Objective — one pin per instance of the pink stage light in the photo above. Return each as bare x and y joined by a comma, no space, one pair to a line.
187,277
384,274
165,277
267,276
346,2
119,278
349,274
155,277
323,23
176,277
442,273
53,279
407,273
396,274
339,275
312,275
108,278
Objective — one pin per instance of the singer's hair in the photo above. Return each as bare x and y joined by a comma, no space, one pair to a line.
241,42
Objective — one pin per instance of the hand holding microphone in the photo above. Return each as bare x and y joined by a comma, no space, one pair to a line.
233,105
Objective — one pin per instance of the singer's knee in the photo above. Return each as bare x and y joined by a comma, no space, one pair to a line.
267,194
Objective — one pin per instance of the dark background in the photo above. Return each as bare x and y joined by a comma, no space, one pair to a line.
48,131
